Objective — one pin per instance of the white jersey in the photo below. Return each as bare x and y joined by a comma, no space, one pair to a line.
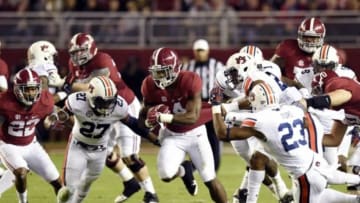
271,67
88,127
286,137
49,71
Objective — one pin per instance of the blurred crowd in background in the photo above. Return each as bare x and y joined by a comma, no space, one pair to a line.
176,5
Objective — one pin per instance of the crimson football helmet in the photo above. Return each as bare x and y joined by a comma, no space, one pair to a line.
320,79
164,67
27,86
82,48
311,34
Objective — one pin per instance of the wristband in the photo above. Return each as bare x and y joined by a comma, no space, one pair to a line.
216,109
166,117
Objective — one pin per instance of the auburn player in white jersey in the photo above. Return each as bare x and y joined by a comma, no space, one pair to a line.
242,70
85,63
95,111
282,130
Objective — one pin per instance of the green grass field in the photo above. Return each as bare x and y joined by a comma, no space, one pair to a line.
108,186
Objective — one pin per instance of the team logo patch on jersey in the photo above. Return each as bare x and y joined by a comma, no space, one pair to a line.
17,116
163,99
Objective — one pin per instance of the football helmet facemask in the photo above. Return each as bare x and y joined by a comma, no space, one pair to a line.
102,94
82,48
27,86
238,66
311,34
164,67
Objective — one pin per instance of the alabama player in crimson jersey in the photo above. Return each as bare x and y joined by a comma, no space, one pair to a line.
172,98
85,63
21,110
294,56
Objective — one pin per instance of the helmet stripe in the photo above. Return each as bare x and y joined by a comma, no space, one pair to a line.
252,50
312,22
268,92
107,85
247,85
156,55
324,52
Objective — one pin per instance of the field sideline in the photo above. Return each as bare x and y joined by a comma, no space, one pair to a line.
108,186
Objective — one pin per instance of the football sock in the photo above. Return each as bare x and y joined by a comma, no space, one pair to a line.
22,197
125,174
255,180
333,196
147,185
280,185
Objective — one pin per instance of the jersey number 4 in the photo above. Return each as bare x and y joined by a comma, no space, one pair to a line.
287,131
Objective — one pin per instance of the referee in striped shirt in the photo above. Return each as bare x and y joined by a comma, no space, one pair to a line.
206,67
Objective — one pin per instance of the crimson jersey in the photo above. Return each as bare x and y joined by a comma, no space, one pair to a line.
298,64
352,107
187,85
101,60
18,126
4,70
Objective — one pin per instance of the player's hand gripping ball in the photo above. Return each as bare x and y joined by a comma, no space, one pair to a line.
152,117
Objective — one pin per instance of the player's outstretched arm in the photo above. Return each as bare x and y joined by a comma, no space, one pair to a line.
133,124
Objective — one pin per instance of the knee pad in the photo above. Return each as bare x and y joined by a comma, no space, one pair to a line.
111,161
134,162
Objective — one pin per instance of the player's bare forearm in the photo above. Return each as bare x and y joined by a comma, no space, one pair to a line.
192,114
79,86
335,137
219,126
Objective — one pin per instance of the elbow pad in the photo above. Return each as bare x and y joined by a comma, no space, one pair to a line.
319,102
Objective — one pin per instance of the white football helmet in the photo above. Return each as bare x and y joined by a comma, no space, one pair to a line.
238,66
262,97
102,94
254,51
41,52
326,57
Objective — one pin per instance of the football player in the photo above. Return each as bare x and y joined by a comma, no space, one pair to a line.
95,111
172,98
85,63
242,69
294,55
282,131
22,109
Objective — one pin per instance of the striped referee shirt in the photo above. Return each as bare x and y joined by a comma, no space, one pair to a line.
207,72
